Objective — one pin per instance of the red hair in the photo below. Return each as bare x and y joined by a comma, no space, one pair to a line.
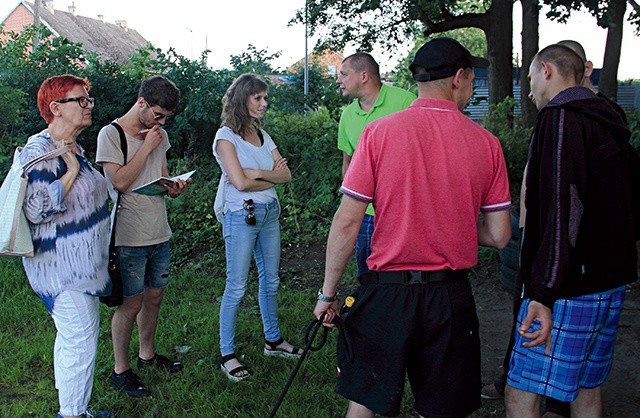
56,88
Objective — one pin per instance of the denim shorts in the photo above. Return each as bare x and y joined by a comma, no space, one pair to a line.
146,266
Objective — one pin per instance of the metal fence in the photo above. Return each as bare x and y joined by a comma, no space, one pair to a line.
628,98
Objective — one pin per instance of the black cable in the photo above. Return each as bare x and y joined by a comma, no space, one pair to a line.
309,336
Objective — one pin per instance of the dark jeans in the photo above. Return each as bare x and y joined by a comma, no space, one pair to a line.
363,244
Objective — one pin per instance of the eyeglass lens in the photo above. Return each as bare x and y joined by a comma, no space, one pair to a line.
83,101
155,115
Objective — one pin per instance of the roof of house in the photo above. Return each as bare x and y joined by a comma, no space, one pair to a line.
114,42
325,60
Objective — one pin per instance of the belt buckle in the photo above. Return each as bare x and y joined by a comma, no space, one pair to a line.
411,277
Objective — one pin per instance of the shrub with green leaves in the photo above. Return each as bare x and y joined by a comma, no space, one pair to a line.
308,142
513,136
633,116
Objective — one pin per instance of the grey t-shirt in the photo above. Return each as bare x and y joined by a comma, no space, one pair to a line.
142,220
249,156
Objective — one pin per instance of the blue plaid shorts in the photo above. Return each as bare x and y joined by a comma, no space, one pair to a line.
582,342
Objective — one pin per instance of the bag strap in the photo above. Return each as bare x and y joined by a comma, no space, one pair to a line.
123,140
123,148
51,154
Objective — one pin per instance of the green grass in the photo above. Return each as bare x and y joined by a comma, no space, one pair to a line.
189,325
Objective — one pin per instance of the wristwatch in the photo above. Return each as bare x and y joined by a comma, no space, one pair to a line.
328,299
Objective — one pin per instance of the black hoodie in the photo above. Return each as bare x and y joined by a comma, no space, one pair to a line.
579,235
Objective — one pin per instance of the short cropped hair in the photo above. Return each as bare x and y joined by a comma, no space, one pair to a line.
570,65
575,47
160,91
234,102
56,88
362,61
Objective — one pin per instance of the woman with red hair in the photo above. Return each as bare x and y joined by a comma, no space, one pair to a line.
66,205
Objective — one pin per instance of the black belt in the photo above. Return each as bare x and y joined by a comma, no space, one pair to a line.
409,277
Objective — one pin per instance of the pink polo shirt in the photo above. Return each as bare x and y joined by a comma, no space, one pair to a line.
429,171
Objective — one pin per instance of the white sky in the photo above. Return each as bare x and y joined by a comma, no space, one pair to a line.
227,27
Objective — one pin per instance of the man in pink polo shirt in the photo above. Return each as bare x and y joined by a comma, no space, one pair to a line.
438,183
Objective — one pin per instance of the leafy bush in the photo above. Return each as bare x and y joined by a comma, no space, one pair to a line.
513,136
323,93
633,115
308,142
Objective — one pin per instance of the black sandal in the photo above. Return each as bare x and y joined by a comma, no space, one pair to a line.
232,374
274,351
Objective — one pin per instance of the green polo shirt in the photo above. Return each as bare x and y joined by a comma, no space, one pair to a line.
353,119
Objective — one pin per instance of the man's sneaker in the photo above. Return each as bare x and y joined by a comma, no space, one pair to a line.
490,392
128,382
161,362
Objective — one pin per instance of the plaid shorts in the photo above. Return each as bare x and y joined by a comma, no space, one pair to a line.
582,342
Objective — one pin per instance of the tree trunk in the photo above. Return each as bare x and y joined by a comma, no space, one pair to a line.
530,37
499,33
609,76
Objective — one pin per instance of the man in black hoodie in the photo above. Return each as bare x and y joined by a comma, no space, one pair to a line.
578,249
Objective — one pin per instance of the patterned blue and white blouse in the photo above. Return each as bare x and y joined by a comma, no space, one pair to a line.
70,233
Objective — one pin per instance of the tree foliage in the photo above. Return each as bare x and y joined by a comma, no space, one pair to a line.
304,128
390,23
609,14
258,61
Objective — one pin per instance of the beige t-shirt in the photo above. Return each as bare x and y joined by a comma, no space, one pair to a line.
142,220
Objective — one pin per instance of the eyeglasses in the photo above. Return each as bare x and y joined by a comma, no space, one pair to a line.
156,116
83,101
248,205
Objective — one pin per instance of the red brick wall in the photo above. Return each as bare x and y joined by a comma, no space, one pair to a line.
18,19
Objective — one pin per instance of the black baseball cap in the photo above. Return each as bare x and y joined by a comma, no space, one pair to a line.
442,58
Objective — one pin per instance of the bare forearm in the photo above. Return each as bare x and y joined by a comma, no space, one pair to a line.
339,249
342,237
68,179
250,185
124,177
275,176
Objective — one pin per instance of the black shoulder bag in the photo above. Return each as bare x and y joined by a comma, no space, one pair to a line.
115,298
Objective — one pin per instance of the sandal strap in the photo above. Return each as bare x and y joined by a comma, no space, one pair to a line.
274,344
237,370
222,360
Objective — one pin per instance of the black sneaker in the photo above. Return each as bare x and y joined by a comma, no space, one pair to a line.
128,382
161,362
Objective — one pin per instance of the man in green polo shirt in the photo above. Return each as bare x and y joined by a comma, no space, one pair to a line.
359,79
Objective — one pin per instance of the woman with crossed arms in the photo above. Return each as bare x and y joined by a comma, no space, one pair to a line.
251,167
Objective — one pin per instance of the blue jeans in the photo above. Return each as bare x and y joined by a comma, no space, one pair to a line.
241,240
363,245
